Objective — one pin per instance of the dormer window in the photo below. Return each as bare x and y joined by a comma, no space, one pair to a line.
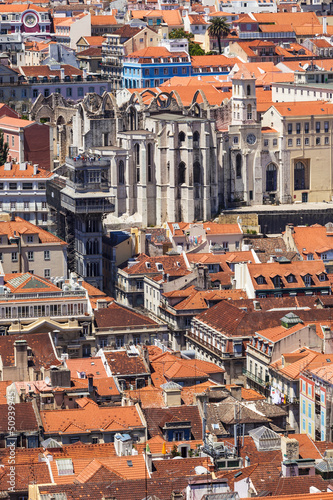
148,266
310,256
260,280
159,266
290,278
324,256
322,277
307,280
277,281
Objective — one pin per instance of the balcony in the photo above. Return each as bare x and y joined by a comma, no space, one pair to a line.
206,345
255,379
88,206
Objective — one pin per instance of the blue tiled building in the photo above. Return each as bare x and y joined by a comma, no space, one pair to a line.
152,66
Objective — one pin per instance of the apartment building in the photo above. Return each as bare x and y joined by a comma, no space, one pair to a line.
25,248
23,191
30,304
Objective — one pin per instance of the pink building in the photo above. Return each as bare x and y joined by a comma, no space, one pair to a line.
28,141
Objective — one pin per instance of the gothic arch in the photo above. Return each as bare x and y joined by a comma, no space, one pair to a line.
271,177
181,173
203,96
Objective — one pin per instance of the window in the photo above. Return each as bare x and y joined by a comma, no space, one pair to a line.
35,93
322,277
174,71
156,71
181,138
46,254
310,256
306,127
121,172
290,142
307,280
46,92
181,173
271,177
137,161
13,186
298,142
327,140
266,143
317,127
326,127
324,256
30,239
274,142
306,141
14,256
30,256
298,128
303,407
1,260
47,273
184,71
238,166
290,128
150,161
317,141
309,390
300,176
80,92
249,112
309,410
13,140
24,93
68,92
27,185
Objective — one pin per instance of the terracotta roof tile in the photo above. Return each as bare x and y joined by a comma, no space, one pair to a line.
21,226
40,344
116,315
25,418
156,418
89,418
103,20
122,364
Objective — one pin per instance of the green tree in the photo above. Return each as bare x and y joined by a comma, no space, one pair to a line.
219,29
4,147
194,49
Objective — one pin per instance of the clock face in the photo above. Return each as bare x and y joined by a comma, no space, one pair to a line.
251,139
30,20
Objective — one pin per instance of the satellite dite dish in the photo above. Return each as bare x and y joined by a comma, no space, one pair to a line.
47,380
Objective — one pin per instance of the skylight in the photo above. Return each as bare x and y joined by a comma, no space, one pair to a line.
65,467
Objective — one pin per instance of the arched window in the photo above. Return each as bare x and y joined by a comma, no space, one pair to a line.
150,161
121,172
301,180
248,90
196,139
132,118
181,138
271,177
137,161
239,166
249,112
181,173
197,173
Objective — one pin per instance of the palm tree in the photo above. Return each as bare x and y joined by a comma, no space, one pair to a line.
219,28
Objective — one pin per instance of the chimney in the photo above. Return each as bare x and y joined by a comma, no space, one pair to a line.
101,304
328,340
21,357
8,165
324,25
90,383
62,74
23,165
236,392
36,168
84,74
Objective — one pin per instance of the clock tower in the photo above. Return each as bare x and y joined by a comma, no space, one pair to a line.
244,101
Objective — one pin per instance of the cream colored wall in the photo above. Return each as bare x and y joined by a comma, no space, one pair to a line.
150,39
123,251
319,157
56,264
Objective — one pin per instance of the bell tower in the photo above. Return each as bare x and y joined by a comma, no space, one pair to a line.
244,101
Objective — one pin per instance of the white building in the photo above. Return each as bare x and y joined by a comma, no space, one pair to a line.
23,191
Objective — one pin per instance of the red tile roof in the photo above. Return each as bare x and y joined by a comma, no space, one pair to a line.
93,366
173,265
28,173
90,418
25,418
40,344
103,20
44,70
122,364
116,315
156,419
21,227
